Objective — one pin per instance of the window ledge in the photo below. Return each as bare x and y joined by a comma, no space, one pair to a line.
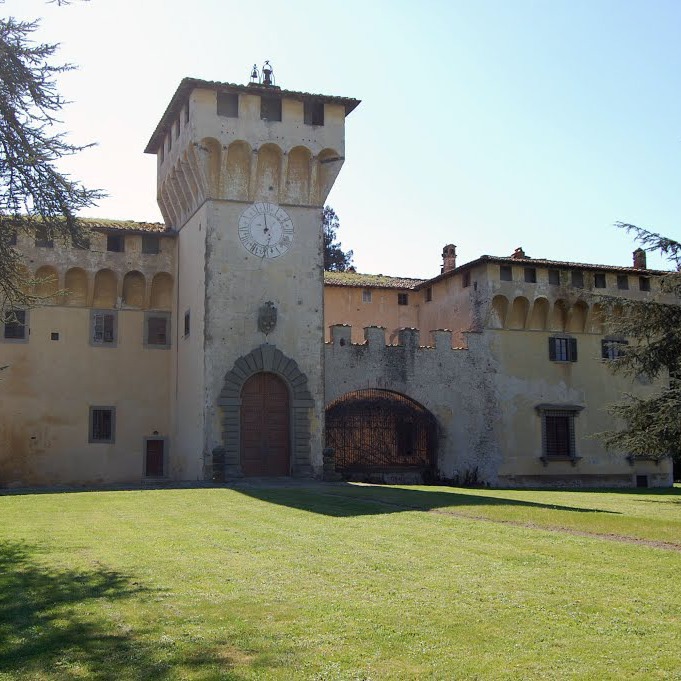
546,460
633,458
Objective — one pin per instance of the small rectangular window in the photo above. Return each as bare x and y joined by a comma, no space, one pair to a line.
150,244
228,104
15,326
644,283
466,279
599,280
578,278
102,425
613,348
103,329
157,330
429,294
562,349
43,238
313,113
186,324
366,296
115,243
506,273
270,108
623,282
54,336
403,299
530,275
554,277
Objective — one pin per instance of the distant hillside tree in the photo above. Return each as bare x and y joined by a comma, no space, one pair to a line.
335,259
34,196
653,328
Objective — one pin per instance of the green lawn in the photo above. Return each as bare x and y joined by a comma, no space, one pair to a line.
340,582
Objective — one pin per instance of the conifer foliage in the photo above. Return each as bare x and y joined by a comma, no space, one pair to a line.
653,327
34,195
335,259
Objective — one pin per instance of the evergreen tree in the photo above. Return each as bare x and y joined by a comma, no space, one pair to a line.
34,196
335,259
653,328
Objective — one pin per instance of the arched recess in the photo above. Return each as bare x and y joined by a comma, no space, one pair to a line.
134,289
497,314
578,313
210,153
75,284
161,291
329,166
238,170
559,316
105,292
519,311
596,319
375,430
266,358
46,282
298,175
268,174
540,315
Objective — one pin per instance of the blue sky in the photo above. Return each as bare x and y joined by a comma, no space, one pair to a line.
489,124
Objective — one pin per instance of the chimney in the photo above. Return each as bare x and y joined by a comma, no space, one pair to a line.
640,259
448,258
518,254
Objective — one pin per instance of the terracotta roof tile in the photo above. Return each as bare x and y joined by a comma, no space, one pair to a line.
369,280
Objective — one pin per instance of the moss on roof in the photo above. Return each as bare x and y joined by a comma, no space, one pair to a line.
124,225
369,280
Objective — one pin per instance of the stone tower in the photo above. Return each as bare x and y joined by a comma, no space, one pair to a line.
243,174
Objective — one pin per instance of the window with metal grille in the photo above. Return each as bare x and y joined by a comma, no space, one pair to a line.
612,348
505,273
562,349
150,244
157,330
270,108
558,431
102,424
313,113
103,328
599,280
228,104
403,299
554,277
15,326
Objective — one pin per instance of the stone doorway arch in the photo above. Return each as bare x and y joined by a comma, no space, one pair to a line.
266,358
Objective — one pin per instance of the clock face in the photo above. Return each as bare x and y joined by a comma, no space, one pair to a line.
266,230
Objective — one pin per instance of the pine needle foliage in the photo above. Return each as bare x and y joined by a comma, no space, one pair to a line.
653,327
35,197
335,259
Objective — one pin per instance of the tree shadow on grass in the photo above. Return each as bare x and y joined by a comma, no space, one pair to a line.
345,499
46,633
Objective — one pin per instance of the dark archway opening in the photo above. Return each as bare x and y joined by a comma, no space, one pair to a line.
377,434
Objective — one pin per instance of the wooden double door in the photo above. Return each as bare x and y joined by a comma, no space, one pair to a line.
265,426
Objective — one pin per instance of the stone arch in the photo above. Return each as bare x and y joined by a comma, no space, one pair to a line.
268,173
328,170
540,315
210,154
578,314
497,314
519,312
298,175
238,175
106,290
266,358
134,289
75,284
559,315
596,320
161,291
46,282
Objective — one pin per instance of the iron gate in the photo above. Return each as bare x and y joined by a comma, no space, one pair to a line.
380,430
